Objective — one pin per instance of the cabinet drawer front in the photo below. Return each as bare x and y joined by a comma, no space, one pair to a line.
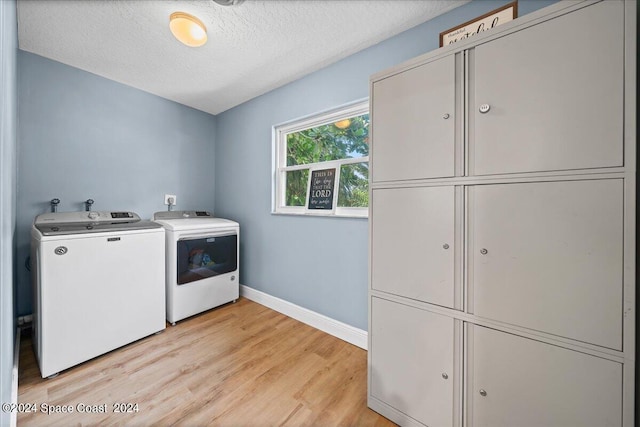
548,256
411,137
554,104
411,350
520,382
413,243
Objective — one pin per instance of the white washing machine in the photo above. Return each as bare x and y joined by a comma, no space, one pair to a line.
98,284
202,262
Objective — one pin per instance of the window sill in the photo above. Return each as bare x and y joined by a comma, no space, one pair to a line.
322,215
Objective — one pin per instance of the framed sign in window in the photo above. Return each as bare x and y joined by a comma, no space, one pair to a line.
321,189
482,23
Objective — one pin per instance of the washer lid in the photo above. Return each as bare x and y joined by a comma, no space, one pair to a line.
197,224
88,227
60,223
182,215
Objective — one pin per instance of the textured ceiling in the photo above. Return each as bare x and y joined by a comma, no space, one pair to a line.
253,47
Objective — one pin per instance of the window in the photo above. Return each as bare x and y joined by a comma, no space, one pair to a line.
322,164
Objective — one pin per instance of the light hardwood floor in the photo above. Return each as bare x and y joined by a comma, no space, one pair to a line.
238,365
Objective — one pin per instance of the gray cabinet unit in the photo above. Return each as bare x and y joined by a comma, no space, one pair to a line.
413,365
548,256
516,381
415,129
555,93
502,285
413,243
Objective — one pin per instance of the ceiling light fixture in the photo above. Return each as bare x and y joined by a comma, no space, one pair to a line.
188,29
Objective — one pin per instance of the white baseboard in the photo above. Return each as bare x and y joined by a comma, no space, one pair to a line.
345,332
14,379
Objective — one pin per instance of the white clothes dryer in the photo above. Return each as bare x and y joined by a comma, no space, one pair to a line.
202,262
98,284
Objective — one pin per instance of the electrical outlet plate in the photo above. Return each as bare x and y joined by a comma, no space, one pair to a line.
169,196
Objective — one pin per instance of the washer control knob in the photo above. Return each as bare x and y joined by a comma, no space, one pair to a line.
93,215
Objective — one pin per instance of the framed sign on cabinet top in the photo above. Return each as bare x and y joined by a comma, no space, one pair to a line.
482,23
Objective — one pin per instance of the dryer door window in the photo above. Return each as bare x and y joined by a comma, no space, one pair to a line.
204,257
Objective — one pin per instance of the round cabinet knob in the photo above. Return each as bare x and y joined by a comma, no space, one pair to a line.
445,246
93,215
446,116
445,376
484,108
483,393
483,251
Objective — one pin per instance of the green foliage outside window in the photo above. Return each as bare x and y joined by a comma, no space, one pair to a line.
297,187
354,186
325,143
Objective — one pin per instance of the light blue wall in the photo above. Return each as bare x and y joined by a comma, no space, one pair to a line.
82,136
8,114
317,263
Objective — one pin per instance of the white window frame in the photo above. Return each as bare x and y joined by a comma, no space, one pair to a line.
280,168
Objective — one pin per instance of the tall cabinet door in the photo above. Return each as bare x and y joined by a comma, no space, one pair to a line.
553,104
413,243
548,256
414,124
412,361
515,381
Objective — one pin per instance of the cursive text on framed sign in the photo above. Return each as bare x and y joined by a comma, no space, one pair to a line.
482,23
